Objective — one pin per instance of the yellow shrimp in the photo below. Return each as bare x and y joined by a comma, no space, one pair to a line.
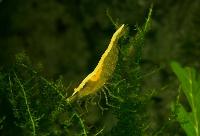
103,71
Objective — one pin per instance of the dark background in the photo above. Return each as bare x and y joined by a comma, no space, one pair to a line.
67,37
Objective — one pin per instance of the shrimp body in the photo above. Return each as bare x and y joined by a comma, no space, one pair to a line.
103,71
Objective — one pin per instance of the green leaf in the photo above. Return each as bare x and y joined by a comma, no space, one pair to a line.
182,75
185,120
191,88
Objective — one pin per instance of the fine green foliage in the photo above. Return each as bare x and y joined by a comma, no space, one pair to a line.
131,114
35,106
31,105
190,84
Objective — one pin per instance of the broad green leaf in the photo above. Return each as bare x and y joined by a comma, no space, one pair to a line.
185,120
182,75
190,85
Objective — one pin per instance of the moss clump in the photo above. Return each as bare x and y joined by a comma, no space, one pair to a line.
33,105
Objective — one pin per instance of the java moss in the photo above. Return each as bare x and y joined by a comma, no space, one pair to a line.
33,105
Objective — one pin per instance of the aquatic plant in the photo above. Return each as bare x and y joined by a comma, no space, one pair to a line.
33,105
190,86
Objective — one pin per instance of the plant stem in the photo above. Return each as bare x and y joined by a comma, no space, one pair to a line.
26,102
194,108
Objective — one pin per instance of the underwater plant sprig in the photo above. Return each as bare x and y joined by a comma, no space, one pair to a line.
190,85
